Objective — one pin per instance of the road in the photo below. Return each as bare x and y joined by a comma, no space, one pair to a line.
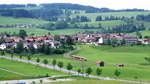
67,71
31,81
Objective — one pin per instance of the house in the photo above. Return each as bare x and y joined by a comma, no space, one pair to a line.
78,58
11,45
146,41
79,37
120,65
100,63
54,44
100,40
16,39
3,47
89,40
131,40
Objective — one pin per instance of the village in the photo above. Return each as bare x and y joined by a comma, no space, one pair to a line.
10,42
31,41
110,39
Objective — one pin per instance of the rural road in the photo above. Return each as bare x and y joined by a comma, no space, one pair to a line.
31,81
67,71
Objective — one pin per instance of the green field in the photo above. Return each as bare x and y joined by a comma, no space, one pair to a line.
28,70
8,75
118,14
40,32
105,24
13,21
90,82
144,33
132,57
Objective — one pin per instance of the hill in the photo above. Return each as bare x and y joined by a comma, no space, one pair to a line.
42,32
13,21
107,14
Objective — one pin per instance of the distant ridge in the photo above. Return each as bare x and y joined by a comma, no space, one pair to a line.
87,9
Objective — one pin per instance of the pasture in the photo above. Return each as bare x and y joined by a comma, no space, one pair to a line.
105,24
14,21
118,14
131,56
8,75
25,70
41,32
90,82
144,33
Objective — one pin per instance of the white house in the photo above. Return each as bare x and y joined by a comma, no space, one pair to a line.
100,40
35,46
3,46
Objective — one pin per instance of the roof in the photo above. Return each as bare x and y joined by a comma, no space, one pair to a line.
130,37
91,38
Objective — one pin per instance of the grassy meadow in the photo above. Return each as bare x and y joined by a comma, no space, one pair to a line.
132,57
13,21
8,75
144,33
118,14
90,82
105,24
40,32
28,70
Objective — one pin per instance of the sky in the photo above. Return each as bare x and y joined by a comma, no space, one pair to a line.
113,4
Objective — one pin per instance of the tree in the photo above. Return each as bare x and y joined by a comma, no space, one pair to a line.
89,71
69,66
22,34
47,50
147,59
57,38
100,26
123,42
2,52
20,56
117,73
60,64
98,71
12,54
29,58
135,77
139,34
84,19
38,60
99,18
86,26
45,61
42,48
109,41
2,40
54,62
79,71
19,49
61,25
69,41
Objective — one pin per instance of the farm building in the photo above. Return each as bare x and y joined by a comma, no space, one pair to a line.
100,63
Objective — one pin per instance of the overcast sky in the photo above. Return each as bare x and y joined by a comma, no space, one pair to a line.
113,4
